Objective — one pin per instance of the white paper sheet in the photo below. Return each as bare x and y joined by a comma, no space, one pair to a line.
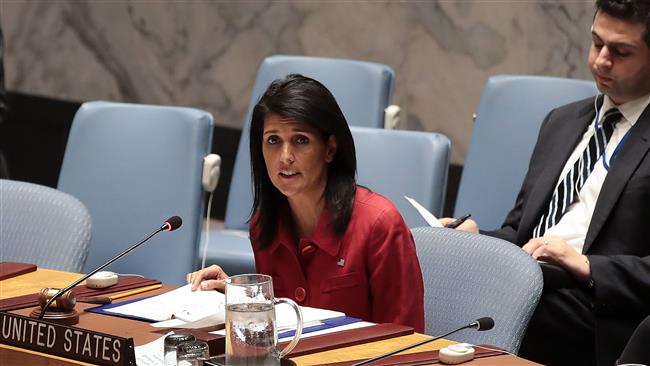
426,215
286,317
152,353
181,306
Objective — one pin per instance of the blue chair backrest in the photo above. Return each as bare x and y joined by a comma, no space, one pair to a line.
469,276
509,116
362,89
396,163
134,166
43,226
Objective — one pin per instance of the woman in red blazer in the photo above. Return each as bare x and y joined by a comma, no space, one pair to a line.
326,242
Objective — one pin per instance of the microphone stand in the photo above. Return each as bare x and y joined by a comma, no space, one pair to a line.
61,292
382,356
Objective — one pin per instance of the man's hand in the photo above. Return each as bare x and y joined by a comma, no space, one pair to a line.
210,278
553,250
469,225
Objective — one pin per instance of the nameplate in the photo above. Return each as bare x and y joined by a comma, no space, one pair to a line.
69,342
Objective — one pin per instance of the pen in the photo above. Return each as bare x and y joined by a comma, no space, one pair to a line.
109,299
182,318
458,221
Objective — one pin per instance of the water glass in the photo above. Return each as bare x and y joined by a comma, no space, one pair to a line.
171,342
192,353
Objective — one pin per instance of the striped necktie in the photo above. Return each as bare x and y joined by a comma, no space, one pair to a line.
567,190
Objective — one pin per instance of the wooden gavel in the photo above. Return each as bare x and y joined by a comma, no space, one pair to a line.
64,303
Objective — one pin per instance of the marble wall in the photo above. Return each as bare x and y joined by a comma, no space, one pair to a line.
205,53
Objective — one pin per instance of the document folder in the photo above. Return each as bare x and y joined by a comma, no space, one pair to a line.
13,269
102,310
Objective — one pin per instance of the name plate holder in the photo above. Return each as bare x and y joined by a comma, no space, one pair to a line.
65,341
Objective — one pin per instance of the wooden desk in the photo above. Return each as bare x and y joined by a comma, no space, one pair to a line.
33,282
142,333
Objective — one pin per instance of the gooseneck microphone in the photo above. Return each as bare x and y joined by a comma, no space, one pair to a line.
480,324
170,224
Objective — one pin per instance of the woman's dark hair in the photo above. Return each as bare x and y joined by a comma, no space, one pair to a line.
636,11
304,100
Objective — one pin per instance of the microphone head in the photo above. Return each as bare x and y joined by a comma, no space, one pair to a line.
173,223
485,323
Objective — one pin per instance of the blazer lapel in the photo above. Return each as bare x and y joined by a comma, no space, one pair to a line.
626,162
567,135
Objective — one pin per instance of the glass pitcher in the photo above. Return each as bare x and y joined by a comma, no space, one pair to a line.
251,331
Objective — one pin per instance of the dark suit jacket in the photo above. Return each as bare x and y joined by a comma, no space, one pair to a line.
618,239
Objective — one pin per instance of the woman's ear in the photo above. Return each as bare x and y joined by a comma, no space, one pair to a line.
331,149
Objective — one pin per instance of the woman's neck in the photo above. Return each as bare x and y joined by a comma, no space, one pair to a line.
305,215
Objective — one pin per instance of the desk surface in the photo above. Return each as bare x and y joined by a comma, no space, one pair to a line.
33,282
142,333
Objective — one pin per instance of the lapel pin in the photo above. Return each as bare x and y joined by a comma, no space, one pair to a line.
341,262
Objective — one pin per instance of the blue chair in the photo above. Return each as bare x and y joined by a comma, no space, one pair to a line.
468,276
396,163
43,226
509,116
362,89
134,166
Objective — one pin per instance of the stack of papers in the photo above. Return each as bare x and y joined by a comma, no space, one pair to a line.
174,308
184,308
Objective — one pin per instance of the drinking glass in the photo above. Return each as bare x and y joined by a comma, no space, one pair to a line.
192,353
171,343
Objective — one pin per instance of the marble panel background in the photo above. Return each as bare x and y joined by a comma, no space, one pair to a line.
205,53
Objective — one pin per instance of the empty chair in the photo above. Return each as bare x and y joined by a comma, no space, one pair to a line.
509,116
397,163
362,89
43,226
134,166
468,276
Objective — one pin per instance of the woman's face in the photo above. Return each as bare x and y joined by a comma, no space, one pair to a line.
296,157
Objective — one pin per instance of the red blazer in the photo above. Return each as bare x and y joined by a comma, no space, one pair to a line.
371,272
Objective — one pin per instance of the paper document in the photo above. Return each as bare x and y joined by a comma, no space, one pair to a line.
178,307
182,308
286,317
426,215
152,353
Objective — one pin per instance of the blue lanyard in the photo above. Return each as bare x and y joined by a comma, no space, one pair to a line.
618,147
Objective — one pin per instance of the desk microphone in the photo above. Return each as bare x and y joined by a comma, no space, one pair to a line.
170,224
480,324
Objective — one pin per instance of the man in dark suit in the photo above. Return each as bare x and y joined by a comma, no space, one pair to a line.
587,211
